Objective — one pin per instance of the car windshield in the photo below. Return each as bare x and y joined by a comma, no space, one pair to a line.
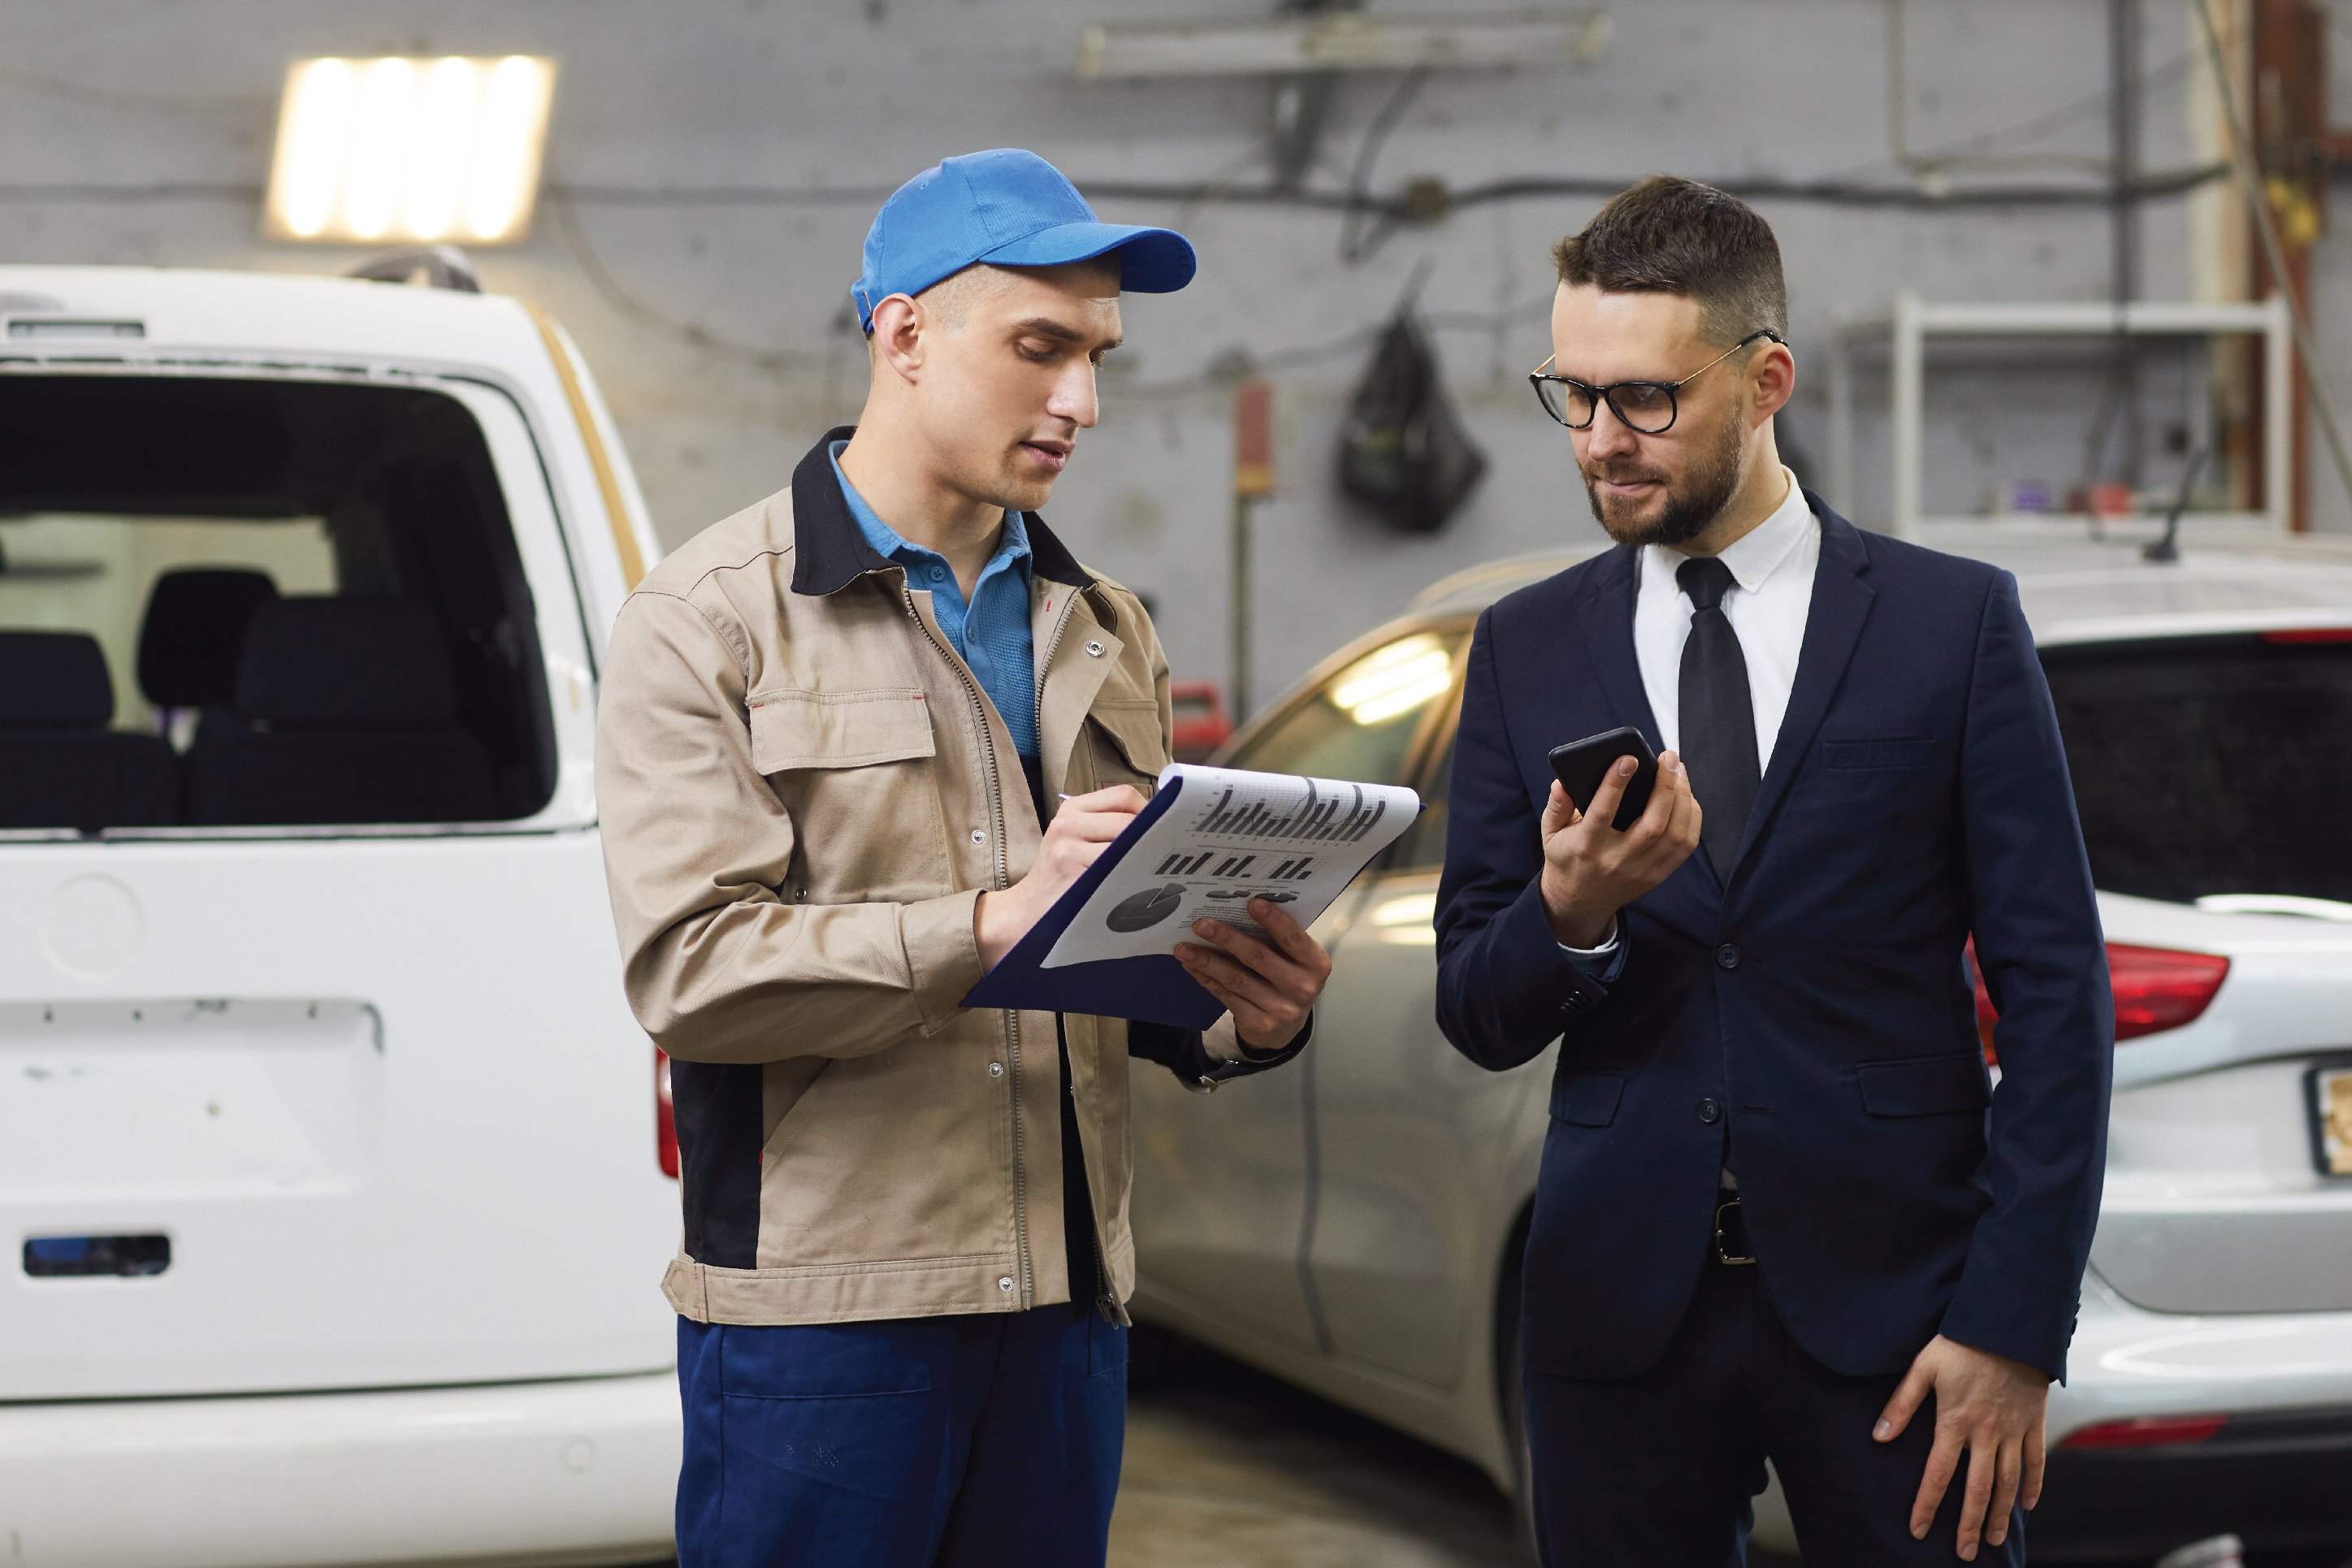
1359,725
2211,765
234,602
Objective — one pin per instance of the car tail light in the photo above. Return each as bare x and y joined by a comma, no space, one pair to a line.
664,1116
2147,1432
2313,633
2155,988
1987,1015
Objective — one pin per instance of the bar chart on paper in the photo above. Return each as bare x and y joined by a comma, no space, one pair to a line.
1229,837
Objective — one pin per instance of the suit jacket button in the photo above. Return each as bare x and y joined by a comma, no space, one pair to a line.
1727,957
1709,1112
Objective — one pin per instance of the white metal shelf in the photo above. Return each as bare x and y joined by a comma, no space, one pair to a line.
1912,321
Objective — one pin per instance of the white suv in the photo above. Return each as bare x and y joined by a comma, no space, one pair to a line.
331,1177
1356,1225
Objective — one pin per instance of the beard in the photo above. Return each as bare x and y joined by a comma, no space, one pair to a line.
1685,503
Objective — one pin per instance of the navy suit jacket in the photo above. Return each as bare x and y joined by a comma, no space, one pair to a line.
1810,1023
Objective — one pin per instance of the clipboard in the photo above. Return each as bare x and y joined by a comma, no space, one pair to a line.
1151,989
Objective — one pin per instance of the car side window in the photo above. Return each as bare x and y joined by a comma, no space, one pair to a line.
1423,847
1359,725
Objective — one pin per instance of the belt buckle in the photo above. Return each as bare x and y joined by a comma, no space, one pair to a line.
1725,1249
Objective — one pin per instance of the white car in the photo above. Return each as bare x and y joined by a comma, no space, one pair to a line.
330,1165
1355,1224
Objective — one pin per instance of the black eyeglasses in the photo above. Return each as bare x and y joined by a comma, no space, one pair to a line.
1646,406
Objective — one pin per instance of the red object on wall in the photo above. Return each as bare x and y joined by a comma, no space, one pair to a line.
1253,439
1202,723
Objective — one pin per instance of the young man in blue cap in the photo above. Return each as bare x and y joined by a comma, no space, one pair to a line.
830,732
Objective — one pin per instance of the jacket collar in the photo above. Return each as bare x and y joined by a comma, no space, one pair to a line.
830,551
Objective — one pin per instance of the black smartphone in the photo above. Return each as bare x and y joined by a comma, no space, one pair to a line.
1580,765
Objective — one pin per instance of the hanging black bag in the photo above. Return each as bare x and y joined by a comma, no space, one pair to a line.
1403,450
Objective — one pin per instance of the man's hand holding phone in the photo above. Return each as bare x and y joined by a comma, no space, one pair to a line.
1591,870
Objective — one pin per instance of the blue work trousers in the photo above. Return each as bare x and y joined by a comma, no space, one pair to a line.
956,1442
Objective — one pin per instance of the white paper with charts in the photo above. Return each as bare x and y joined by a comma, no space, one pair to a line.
1230,836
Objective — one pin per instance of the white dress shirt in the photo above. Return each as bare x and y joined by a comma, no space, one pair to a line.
1772,573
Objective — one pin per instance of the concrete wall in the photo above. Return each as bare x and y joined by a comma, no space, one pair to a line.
718,324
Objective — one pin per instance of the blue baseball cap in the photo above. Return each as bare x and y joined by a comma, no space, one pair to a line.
1011,208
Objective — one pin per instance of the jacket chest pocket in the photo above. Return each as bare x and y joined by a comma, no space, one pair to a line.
1895,754
1124,743
1885,781
857,770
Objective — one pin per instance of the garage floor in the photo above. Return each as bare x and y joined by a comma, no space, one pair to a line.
1228,1467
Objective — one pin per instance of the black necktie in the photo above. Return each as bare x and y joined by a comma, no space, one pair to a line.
1718,721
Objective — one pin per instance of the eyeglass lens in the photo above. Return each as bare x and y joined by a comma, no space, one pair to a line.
1647,408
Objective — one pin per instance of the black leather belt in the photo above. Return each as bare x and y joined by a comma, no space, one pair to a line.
1731,1243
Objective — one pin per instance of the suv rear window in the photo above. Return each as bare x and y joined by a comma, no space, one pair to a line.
242,602
2212,765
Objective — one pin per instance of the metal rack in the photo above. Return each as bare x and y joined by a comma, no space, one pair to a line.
1912,321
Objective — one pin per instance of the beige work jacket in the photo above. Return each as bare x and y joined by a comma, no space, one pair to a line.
803,792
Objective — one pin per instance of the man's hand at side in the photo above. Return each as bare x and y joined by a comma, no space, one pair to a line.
1591,870
1080,828
1993,1408
1269,987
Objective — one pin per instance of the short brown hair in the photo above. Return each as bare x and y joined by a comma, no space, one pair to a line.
1672,236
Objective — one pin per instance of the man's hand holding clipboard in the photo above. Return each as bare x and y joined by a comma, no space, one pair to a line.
1269,986
1193,903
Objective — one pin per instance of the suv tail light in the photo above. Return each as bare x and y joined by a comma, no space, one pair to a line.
664,1116
2145,1432
2155,988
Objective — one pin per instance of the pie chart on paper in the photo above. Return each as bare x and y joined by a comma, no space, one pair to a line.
1140,911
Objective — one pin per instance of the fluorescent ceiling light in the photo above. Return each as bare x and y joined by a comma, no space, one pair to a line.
1341,41
409,150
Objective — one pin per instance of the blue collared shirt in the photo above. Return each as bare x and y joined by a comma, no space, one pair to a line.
992,633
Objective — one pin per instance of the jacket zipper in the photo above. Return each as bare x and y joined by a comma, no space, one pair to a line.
1106,1302
1004,879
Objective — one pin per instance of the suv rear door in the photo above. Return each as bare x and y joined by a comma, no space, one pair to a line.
327,1082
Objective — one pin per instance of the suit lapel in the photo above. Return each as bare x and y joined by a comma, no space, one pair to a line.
1605,617
1841,602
